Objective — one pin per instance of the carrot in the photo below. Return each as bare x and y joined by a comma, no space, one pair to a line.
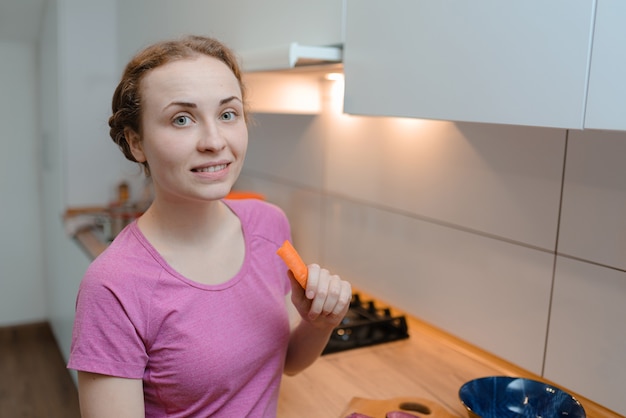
241,194
292,259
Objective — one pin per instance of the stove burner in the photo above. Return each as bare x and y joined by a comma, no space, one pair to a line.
365,325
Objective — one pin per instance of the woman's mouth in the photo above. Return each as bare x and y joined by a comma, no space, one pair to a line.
210,169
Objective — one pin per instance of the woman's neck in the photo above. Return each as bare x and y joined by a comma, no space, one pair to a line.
204,241
186,224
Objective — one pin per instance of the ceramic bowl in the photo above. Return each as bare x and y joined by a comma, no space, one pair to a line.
513,397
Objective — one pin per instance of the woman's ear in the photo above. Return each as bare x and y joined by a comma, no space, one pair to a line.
134,143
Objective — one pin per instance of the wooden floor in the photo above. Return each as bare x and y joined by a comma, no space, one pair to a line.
34,382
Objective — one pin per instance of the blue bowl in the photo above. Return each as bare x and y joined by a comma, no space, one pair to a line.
513,397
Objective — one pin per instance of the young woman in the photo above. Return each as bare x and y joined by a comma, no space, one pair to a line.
189,312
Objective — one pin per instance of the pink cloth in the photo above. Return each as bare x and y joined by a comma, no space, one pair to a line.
201,350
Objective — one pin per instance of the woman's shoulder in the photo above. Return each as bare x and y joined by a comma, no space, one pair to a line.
255,208
259,215
123,260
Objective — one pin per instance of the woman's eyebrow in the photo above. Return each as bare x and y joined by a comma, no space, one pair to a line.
195,106
229,99
182,104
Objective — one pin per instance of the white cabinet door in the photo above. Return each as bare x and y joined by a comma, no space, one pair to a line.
513,62
606,105
242,24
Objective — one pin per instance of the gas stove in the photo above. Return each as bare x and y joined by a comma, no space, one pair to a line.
366,325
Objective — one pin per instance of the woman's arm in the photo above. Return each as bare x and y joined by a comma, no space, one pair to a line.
104,396
321,306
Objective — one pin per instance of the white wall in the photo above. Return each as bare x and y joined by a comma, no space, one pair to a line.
21,270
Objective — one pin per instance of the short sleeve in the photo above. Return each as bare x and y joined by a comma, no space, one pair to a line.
107,336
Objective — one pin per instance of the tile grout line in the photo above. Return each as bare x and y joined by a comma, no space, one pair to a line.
327,195
556,254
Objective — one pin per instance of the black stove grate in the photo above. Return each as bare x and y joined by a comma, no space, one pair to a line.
366,325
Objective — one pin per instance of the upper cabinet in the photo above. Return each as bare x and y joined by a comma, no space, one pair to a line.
606,103
244,25
510,62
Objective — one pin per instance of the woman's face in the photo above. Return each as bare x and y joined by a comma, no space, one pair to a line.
194,136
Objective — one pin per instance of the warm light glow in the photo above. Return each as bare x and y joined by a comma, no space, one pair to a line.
404,124
334,76
332,91
276,93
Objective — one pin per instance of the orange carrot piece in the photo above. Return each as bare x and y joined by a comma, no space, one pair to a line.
292,259
241,194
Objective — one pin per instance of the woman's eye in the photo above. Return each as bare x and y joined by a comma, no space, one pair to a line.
182,120
229,115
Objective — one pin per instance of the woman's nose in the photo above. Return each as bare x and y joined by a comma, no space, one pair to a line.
210,138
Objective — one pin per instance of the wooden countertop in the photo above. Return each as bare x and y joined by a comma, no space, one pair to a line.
430,365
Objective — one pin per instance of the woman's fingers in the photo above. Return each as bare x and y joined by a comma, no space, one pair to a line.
345,297
330,295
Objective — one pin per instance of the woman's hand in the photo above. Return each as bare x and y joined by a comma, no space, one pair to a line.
321,306
325,300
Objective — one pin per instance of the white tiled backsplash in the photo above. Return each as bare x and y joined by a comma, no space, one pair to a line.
459,225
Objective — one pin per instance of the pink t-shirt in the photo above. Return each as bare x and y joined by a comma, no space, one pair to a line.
201,350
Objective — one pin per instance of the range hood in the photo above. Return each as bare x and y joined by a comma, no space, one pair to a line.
290,56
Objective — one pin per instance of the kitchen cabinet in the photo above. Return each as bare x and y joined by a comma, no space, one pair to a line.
607,77
76,66
244,25
523,62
